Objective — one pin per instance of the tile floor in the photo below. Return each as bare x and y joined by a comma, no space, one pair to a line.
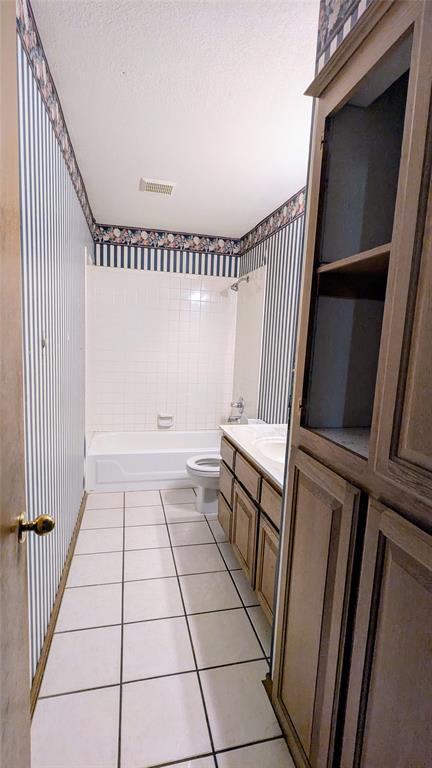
160,647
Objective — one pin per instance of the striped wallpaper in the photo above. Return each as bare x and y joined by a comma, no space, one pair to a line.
161,260
54,235
282,252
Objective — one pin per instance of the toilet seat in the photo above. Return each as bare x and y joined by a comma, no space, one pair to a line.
205,465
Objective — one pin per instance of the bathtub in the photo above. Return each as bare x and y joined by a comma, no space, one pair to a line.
138,461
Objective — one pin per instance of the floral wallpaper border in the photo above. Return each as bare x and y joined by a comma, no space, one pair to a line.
27,30
178,241
282,216
139,236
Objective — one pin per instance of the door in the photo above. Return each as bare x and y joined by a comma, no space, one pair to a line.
14,655
315,589
388,718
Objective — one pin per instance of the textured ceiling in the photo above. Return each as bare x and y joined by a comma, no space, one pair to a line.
205,93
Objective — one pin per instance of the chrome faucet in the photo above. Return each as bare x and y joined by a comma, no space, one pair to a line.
240,405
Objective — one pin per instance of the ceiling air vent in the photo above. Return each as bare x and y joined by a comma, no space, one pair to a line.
157,186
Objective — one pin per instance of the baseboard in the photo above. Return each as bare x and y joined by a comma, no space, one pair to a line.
40,669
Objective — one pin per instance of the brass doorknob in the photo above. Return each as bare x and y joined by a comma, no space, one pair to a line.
41,525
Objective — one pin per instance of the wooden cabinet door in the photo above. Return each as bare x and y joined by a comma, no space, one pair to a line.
389,719
316,561
268,548
244,531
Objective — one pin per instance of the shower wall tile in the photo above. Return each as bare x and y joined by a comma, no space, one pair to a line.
158,343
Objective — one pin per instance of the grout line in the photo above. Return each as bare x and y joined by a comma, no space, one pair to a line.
141,549
160,618
79,690
147,578
151,677
251,744
193,648
121,639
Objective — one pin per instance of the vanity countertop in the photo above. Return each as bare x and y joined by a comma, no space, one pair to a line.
254,439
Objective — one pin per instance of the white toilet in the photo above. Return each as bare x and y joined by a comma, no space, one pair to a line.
204,470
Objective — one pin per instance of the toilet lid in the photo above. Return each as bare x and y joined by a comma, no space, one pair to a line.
202,464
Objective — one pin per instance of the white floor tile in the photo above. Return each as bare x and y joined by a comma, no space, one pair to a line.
262,627
190,533
183,513
105,568
80,729
268,754
224,637
144,515
153,648
86,659
179,496
237,704
142,498
148,564
162,720
146,537
152,599
209,592
199,558
246,592
90,607
218,531
102,518
104,501
229,556
102,540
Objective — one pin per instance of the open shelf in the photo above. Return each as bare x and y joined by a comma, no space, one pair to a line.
373,262
355,439
362,151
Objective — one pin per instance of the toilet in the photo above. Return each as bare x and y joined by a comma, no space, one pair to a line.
204,470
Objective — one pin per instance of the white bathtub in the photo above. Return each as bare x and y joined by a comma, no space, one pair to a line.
137,461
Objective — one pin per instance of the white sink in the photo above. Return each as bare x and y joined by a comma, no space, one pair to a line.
272,447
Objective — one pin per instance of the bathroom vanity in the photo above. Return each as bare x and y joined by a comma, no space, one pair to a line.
250,499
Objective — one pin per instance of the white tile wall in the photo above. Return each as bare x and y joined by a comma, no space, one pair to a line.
158,342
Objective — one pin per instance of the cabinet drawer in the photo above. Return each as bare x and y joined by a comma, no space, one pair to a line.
248,476
228,453
226,482
271,503
268,547
244,531
224,515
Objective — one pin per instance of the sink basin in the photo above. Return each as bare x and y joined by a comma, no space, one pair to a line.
272,447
